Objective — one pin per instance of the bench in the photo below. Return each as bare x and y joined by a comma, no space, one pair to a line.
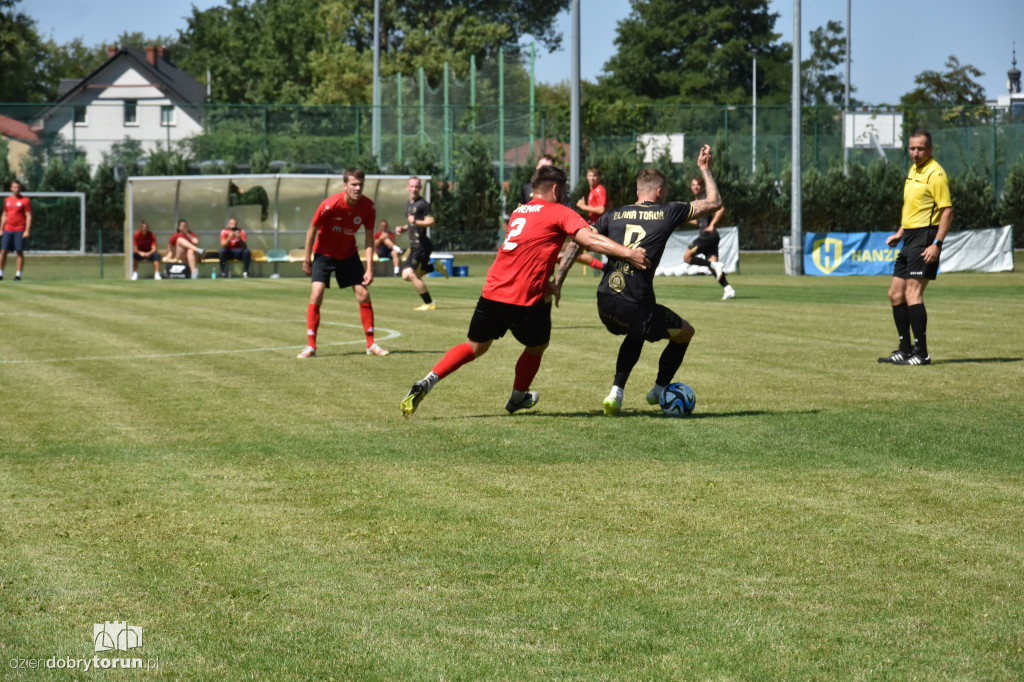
256,256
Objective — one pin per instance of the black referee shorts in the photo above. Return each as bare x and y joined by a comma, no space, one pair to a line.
910,263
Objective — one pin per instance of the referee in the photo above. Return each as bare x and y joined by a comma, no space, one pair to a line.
927,217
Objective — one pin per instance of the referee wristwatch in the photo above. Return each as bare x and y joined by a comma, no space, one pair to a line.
938,242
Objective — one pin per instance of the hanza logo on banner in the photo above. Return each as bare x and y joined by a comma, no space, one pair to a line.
848,253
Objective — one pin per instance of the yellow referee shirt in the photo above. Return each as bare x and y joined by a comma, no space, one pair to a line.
925,194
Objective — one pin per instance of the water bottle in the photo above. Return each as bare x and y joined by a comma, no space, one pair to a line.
213,275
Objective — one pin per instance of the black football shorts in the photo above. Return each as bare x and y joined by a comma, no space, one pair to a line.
530,325
348,271
625,318
706,243
910,263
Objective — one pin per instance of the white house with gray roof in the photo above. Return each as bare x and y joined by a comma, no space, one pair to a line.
136,94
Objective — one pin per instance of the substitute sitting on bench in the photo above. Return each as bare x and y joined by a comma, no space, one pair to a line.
234,247
184,247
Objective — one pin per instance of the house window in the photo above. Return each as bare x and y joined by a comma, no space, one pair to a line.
131,112
78,113
167,115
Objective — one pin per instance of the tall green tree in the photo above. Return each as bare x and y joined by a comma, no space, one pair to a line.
255,52
68,60
21,54
698,51
823,84
1010,210
421,34
974,201
305,51
469,217
951,96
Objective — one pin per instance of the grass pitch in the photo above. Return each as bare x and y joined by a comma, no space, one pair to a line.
166,461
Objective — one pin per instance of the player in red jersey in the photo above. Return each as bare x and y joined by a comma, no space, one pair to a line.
384,243
517,293
184,246
597,201
144,248
331,249
15,225
234,246
595,206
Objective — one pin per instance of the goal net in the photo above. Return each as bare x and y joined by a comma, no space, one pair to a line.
58,222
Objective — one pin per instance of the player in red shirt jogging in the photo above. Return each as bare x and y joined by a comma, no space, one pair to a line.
331,249
597,201
15,225
595,205
517,293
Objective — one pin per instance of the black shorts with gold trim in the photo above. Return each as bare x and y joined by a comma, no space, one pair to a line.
651,322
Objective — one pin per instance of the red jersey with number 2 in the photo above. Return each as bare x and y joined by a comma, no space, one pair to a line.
526,259
339,222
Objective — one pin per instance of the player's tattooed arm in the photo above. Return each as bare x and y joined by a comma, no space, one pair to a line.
712,200
568,258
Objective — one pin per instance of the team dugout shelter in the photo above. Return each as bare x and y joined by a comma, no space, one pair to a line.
274,210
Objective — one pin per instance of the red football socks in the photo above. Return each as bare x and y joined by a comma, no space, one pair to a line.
312,324
366,315
526,370
453,359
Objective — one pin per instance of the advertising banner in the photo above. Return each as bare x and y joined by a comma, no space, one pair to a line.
848,253
866,253
672,262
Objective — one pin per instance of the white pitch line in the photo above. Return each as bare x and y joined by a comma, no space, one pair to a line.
391,334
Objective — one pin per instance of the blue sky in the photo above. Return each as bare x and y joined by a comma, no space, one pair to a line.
893,41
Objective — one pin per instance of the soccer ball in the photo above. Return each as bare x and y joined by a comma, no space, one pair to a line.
678,400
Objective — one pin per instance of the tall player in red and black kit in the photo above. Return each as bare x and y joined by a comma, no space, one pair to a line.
625,297
517,294
334,251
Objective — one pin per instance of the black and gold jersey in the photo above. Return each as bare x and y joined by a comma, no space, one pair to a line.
646,225
420,209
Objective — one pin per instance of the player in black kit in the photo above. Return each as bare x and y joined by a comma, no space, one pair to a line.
417,259
704,249
625,297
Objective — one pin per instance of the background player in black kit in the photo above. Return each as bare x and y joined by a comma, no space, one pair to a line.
704,249
417,258
625,297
